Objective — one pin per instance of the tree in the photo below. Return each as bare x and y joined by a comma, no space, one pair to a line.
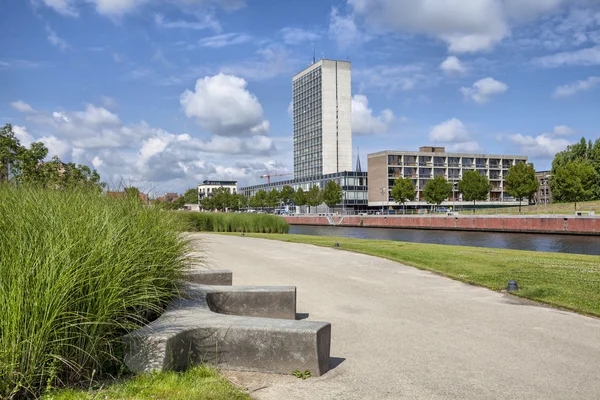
521,182
437,190
238,201
190,196
259,199
313,196
287,194
299,197
584,151
403,191
474,186
10,149
332,194
222,198
272,199
574,182
207,202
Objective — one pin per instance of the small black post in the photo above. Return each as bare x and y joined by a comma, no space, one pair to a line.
336,244
512,286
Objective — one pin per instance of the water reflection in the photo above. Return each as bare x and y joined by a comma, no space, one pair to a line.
516,241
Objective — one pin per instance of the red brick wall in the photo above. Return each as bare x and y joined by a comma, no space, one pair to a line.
559,224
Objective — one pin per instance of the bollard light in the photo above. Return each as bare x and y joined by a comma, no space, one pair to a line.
243,234
512,286
336,244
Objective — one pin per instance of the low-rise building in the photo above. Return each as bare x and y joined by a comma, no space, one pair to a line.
208,188
421,166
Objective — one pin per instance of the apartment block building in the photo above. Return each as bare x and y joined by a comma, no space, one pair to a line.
322,113
544,194
386,166
207,188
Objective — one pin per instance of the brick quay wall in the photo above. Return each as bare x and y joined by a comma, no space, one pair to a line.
556,224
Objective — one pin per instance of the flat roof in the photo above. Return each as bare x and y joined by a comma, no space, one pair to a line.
421,153
320,61
224,183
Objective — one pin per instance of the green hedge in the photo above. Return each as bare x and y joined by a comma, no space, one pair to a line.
77,271
232,222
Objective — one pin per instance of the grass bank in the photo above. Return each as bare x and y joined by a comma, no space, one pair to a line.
232,222
555,208
196,383
569,281
77,271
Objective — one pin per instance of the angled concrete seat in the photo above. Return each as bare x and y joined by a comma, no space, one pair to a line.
241,327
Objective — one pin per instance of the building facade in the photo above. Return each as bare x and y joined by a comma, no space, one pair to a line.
354,187
322,114
429,162
543,195
207,188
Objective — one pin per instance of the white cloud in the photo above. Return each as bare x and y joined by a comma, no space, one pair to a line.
455,136
64,7
108,102
393,77
225,39
453,66
484,89
222,105
465,26
563,130
449,131
576,87
293,36
22,106
23,135
585,57
207,22
344,31
55,40
363,120
543,146
97,162
272,61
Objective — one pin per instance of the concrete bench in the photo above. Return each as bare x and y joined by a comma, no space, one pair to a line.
249,328
581,213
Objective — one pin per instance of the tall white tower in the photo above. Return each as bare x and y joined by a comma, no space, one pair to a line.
322,111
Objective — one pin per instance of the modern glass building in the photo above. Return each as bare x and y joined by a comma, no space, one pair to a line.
322,113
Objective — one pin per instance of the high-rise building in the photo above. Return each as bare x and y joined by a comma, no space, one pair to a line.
322,112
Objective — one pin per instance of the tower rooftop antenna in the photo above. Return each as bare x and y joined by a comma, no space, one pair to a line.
314,59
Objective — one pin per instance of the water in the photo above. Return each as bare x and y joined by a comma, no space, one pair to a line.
517,241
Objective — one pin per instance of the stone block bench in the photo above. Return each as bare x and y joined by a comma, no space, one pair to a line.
249,328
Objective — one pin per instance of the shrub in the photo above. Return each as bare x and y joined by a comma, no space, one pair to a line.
77,271
232,222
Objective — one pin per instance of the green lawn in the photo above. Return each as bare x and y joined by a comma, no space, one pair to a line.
557,208
569,281
199,383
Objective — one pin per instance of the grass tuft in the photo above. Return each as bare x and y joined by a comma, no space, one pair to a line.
77,271
232,222
199,382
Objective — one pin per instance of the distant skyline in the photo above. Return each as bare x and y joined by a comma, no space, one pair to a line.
165,95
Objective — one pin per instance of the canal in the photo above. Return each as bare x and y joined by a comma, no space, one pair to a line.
516,241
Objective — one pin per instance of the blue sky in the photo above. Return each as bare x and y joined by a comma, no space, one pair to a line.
165,94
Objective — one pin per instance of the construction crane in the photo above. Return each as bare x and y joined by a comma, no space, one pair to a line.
268,176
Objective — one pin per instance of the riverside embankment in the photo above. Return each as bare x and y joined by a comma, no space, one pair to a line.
557,224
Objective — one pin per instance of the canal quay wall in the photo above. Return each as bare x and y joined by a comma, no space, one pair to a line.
557,224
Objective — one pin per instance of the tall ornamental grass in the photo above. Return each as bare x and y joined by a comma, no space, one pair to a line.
233,222
77,271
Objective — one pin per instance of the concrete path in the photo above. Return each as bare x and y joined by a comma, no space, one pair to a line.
398,332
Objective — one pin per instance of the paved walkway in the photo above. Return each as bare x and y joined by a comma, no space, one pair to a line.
398,332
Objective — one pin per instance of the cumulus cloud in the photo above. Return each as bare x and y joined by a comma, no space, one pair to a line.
222,105
543,146
563,130
363,120
482,90
452,66
573,88
22,106
455,136
142,153
465,26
